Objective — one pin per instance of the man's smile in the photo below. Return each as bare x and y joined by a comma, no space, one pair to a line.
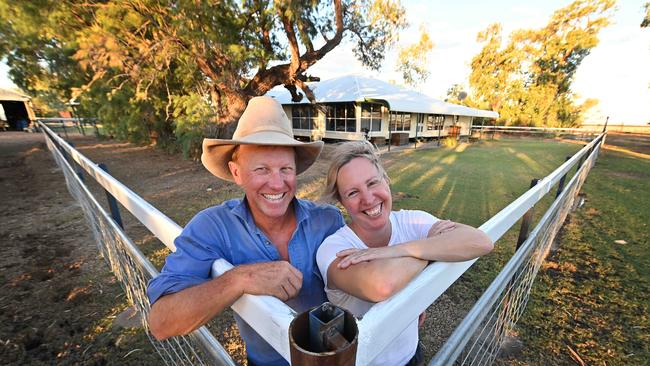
274,197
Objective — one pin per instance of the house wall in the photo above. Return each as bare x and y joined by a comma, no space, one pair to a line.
319,131
464,122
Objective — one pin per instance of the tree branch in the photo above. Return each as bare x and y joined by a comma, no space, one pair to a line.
264,80
291,36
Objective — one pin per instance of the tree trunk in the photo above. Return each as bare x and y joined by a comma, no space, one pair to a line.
233,106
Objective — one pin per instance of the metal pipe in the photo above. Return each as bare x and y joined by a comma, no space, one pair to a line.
525,221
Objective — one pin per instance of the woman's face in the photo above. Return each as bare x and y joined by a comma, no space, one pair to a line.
364,194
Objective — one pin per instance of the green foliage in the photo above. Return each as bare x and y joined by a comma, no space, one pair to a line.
191,114
456,94
173,71
374,25
528,80
413,60
37,43
449,142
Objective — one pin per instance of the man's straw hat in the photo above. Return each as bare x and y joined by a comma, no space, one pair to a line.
262,123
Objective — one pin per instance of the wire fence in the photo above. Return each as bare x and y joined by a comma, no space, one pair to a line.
131,268
479,338
491,132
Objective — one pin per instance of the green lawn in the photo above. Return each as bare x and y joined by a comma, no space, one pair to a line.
472,183
592,294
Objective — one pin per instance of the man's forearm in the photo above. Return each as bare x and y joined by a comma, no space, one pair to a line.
184,311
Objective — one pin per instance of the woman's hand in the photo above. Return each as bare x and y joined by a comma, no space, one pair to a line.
354,256
441,227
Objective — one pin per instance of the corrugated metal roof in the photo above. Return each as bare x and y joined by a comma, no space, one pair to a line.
353,88
10,95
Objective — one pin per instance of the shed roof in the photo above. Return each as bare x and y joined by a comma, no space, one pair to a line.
354,88
10,95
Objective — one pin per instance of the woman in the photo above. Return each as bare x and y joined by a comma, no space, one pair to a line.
380,251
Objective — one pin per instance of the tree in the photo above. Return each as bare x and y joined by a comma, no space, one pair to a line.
646,19
35,42
185,69
412,60
528,81
456,94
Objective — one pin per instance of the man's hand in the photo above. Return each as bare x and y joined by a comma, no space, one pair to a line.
277,278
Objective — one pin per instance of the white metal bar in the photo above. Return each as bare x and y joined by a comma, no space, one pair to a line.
521,128
158,223
269,316
63,119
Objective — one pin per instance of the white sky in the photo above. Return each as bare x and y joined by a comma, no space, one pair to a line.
617,72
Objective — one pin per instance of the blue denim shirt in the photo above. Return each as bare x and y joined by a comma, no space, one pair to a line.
228,231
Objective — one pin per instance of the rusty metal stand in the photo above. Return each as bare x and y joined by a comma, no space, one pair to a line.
325,335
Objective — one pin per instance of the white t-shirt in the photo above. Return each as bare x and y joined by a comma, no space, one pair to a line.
407,225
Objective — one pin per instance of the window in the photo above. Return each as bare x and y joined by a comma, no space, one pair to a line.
393,120
371,117
400,121
340,117
419,127
303,116
435,122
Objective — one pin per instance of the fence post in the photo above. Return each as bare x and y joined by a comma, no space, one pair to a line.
64,130
390,136
77,168
525,221
582,160
112,202
560,186
96,129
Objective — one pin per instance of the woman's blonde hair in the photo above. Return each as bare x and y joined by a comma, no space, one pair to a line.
343,154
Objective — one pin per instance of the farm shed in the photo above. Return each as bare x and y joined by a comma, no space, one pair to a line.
15,109
351,105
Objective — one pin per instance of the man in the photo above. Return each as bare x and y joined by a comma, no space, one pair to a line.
269,236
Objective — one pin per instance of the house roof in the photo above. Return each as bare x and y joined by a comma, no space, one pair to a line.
10,95
354,88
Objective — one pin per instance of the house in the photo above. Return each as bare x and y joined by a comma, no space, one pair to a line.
349,106
16,109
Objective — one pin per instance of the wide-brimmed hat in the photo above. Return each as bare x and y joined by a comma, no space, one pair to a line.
262,123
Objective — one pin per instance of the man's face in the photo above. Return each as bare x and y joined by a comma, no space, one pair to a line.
267,174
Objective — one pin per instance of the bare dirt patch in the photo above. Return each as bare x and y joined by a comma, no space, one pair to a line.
55,292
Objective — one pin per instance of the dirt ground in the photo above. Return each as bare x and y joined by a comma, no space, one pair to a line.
56,293
59,302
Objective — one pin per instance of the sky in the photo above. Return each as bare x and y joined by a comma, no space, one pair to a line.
617,72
